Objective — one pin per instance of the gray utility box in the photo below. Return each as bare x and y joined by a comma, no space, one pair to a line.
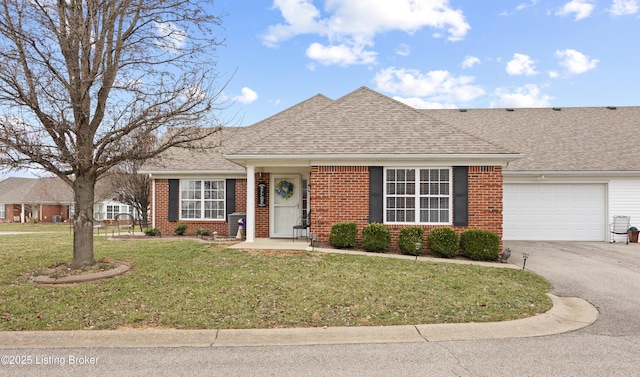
233,222
57,218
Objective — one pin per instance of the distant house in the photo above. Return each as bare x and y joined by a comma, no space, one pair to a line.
526,174
49,200
45,199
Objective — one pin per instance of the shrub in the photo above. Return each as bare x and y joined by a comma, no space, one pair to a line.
443,242
152,232
477,244
376,238
408,238
180,229
343,235
203,232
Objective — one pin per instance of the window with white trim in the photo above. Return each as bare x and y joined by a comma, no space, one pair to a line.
202,199
97,212
112,211
419,196
3,212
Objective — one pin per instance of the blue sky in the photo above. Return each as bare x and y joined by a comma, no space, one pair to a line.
430,53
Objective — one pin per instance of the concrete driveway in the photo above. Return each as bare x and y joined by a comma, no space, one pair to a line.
606,275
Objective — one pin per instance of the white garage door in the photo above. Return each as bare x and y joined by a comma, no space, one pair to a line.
547,212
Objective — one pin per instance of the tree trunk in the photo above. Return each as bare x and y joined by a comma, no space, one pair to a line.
83,188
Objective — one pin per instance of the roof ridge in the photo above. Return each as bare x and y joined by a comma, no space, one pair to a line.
421,113
316,96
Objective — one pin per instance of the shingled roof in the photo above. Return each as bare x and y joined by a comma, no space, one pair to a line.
46,190
15,190
231,139
557,139
365,122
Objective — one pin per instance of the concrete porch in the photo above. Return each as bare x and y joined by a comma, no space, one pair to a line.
275,244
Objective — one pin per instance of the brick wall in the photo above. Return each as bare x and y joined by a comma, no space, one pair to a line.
262,213
485,198
338,194
341,193
167,227
48,211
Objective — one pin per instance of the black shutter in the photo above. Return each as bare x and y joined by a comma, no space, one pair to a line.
230,192
174,199
461,195
376,200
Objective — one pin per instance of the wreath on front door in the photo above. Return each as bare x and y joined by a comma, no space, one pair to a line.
284,189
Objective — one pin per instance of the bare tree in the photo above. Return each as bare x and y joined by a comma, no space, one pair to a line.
87,84
132,189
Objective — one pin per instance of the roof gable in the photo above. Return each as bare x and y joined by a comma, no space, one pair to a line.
365,122
231,139
35,190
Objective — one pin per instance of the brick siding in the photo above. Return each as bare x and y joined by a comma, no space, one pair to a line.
341,193
167,227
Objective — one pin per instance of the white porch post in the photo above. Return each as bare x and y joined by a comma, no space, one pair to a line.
153,201
22,220
251,204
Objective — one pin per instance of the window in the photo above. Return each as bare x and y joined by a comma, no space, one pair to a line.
112,211
3,214
421,196
202,199
97,211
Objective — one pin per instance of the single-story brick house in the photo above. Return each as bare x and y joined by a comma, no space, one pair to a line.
45,199
49,199
522,173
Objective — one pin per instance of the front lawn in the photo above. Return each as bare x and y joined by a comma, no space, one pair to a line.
192,285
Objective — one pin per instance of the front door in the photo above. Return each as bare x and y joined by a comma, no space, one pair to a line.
285,209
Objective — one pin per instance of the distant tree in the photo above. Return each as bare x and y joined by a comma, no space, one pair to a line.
132,189
86,85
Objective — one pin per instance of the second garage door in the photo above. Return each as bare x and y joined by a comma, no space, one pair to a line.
554,212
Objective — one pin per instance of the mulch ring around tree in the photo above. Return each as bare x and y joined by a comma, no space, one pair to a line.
62,273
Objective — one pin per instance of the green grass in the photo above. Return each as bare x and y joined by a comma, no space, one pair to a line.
191,285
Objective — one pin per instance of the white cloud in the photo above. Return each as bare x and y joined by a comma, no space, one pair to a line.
526,5
554,74
521,65
248,96
470,61
357,22
436,86
420,103
576,62
520,7
301,16
340,54
403,50
581,9
624,7
170,38
526,96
